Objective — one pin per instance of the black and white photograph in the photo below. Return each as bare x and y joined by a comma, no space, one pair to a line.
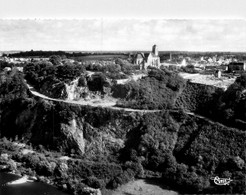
122,97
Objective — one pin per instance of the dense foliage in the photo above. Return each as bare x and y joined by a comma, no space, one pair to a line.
12,86
4,64
158,90
233,102
209,150
50,79
40,72
227,106
115,69
199,98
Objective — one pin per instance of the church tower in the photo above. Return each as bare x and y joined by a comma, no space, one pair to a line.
155,50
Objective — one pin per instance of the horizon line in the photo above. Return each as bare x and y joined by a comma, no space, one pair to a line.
122,51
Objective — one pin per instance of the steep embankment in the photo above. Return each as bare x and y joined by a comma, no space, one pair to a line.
227,107
213,150
117,146
65,126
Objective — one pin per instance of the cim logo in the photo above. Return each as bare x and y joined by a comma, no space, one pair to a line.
221,181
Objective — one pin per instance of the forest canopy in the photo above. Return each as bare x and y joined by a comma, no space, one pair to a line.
158,90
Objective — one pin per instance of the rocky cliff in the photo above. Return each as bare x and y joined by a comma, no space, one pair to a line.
85,87
65,127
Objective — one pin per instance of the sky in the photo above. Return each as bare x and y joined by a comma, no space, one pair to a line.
196,25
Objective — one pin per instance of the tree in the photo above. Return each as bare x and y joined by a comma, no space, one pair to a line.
97,82
55,60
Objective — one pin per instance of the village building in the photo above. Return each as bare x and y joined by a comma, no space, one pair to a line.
183,63
170,58
217,74
139,59
152,60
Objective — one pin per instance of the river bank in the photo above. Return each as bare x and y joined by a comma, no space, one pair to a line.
17,174
34,188
15,181
47,168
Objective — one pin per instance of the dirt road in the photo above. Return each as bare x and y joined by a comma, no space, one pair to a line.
110,105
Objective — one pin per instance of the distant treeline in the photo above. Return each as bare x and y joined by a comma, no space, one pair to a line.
162,54
47,54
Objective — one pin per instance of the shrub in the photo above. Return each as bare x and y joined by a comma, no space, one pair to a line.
93,182
82,81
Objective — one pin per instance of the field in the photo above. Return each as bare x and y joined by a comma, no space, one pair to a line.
101,57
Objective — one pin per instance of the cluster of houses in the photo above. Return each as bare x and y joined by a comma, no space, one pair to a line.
152,59
21,60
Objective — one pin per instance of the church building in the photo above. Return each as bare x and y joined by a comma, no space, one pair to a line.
152,59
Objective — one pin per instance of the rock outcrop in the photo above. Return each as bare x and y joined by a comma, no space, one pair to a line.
75,91
73,131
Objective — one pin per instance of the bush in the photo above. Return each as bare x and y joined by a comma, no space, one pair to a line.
82,81
55,60
93,182
69,72
97,82
126,67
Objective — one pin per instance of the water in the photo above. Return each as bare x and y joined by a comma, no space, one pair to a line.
29,188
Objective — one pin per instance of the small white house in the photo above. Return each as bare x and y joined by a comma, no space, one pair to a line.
217,74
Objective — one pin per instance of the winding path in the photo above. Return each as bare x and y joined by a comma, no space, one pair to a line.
85,103
112,106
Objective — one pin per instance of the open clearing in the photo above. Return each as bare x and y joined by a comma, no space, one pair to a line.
103,102
223,82
141,187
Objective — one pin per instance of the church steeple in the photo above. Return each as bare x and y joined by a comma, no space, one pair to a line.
155,50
